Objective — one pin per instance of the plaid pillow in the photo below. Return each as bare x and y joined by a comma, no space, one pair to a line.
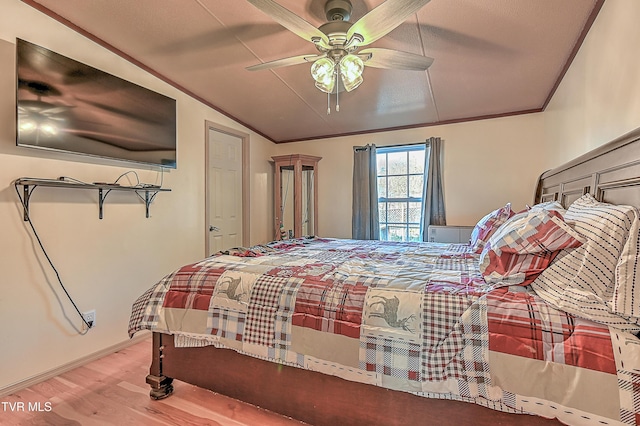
525,245
599,280
487,226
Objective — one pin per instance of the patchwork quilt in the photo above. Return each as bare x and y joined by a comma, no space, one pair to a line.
414,317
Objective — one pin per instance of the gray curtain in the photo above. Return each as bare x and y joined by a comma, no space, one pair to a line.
433,197
365,224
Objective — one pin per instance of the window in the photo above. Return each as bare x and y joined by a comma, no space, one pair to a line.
400,172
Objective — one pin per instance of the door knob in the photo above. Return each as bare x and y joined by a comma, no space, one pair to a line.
213,228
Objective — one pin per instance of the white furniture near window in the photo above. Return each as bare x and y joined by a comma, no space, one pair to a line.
449,234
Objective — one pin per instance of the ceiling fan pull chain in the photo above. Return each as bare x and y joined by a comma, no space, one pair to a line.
337,91
328,103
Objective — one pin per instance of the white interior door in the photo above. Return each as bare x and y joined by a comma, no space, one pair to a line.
224,187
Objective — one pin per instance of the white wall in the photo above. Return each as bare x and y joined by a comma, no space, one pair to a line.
599,98
104,264
486,164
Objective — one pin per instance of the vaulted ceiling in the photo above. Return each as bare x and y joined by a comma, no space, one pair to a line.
491,58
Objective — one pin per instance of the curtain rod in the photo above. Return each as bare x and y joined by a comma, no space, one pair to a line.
364,148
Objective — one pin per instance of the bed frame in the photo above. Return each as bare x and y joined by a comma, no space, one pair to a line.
611,173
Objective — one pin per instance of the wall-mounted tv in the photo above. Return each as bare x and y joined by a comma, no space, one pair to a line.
64,105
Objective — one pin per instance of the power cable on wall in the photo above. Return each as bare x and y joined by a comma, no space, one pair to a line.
46,255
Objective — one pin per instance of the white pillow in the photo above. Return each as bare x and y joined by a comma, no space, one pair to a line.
549,205
597,280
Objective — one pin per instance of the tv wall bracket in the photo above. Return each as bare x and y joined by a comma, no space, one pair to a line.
29,185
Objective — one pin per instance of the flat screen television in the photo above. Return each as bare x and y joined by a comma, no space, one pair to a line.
64,105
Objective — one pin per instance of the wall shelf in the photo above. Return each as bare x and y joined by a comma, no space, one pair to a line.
30,184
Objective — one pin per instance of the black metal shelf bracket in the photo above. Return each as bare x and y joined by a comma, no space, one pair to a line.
101,197
26,196
148,199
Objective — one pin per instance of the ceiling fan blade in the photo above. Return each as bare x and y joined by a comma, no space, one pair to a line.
382,20
292,22
394,59
285,62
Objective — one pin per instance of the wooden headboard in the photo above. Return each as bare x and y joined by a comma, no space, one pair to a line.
611,173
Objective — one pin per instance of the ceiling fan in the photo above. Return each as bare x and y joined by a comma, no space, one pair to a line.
339,61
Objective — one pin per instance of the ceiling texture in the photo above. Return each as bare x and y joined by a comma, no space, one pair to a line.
491,58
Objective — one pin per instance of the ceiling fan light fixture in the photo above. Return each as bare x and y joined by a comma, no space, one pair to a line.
323,72
351,67
352,84
326,87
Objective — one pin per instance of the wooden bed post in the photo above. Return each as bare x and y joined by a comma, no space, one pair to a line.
161,386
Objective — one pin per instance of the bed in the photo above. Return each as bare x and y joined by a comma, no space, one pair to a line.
534,322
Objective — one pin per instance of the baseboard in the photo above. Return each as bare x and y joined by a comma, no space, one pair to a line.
22,384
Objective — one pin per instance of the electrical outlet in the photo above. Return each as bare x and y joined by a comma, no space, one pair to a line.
90,318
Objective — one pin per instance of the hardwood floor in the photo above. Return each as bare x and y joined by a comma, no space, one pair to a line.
112,391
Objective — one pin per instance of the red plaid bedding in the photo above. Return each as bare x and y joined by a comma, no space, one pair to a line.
522,324
416,317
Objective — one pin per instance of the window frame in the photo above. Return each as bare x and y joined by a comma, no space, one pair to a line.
408,225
